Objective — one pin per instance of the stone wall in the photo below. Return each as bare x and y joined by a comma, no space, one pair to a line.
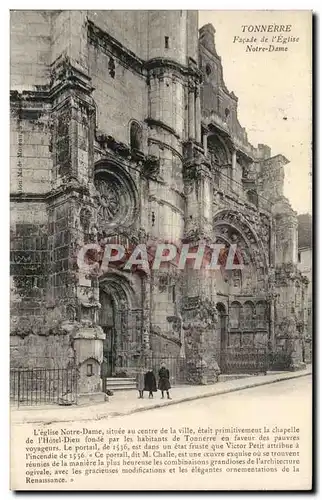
36,351
122,92
30,49
29,261
30,147
108,71
129,28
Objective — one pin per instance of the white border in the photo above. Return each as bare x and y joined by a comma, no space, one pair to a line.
4,184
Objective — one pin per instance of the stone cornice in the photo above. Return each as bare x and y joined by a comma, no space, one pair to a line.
157,123
108,44
169,64
73,187
278,158
65,76
162,144
112,47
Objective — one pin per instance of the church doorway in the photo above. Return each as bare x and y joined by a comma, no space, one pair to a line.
222,321
121,321
108,324
222,324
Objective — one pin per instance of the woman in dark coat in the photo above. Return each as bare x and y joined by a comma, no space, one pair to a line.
164,381
150,384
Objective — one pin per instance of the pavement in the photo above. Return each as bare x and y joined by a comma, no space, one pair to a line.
127,402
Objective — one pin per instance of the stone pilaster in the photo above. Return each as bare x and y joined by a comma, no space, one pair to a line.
191,111
198,116
73,115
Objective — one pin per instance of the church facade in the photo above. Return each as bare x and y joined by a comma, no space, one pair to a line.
123,131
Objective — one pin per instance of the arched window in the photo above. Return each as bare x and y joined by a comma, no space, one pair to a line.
248,315
208,69
252,197
135,136
261,314
235,315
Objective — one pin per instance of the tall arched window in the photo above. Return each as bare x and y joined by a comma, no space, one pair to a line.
261,314
220,157
136,136
252,197
248,315
235,315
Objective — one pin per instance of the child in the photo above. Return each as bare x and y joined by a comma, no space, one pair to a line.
140,382
150,383
164,381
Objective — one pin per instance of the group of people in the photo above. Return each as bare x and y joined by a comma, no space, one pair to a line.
146,381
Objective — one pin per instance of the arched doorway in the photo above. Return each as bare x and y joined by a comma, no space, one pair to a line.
121,322
222,314
107,322
222,323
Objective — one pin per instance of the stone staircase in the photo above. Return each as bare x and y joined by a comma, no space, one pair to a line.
120,384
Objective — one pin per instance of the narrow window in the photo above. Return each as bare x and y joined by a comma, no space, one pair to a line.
111,67
135,136
166,42
89,370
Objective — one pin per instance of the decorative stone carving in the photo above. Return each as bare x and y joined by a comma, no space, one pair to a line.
116,196
85,218
151,166
199,312
108,199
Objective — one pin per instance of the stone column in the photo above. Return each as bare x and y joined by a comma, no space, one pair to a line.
233,168
205,143
88,346
198,116
146,304
191,105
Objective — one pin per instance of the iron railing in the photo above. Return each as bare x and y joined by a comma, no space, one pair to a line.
43,386
243,360
175,364
280,359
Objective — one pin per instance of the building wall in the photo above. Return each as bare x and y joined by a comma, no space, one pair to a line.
305,267
30,49
192,175
124,95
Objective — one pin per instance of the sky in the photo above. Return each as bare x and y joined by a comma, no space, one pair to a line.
273,88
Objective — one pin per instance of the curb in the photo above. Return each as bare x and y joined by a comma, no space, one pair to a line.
186,399
199,396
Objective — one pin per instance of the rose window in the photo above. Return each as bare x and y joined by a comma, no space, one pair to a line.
116,196
109,200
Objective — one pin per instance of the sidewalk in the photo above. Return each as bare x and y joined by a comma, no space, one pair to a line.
127,402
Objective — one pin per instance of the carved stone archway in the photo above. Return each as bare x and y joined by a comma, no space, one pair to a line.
231,228
121,320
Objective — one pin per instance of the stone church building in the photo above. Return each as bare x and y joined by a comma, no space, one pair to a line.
123,130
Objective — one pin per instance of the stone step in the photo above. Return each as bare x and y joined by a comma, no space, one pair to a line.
121,387
120,384
120,380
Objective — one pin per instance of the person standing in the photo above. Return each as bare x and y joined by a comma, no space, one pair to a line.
104,373
150,383
164,381
140,382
